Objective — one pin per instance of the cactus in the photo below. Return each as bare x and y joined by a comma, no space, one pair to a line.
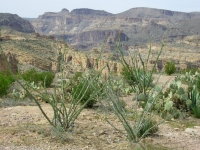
188,103
184,97
180,91
142,97
168,105
178,99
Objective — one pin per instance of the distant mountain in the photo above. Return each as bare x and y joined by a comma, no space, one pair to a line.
86,11
15,22
143,12
86,28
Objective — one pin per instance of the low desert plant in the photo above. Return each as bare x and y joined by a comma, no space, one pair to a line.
196,111
42,78
191,70
85,89
170,68
5,81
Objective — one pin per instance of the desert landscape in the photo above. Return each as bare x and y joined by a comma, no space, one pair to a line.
91,80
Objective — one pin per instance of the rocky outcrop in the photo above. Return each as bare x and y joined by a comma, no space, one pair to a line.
15,22
104,64
94,36
12,62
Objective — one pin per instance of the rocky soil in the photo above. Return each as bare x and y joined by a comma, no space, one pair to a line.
25,128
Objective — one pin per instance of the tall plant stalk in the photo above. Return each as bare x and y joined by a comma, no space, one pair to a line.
139,76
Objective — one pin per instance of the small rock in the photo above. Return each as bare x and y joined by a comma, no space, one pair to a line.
176,129
86,147
192,131
197,127
102,132
109,141
148,139
89,137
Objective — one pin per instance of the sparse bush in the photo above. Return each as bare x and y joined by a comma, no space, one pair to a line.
137,73
170,68
85,90
128,75
5,81
191,70
79,93
39,78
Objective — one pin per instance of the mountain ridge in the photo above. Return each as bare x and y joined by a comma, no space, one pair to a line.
85,28
15,22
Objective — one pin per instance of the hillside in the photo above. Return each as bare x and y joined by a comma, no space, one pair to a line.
15,22
86,28
43,51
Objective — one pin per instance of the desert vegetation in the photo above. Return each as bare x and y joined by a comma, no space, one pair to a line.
151,103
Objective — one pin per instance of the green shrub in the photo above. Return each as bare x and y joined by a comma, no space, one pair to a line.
43,78
83,95
5,81
191,70
128,75
196,111
85,90
148,126
170,68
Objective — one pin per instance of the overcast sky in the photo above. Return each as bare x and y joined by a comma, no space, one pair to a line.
34,8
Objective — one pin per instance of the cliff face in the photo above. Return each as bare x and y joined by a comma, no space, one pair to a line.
85,28
15,22
11,58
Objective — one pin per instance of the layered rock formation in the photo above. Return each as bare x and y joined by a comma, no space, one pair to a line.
85,28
